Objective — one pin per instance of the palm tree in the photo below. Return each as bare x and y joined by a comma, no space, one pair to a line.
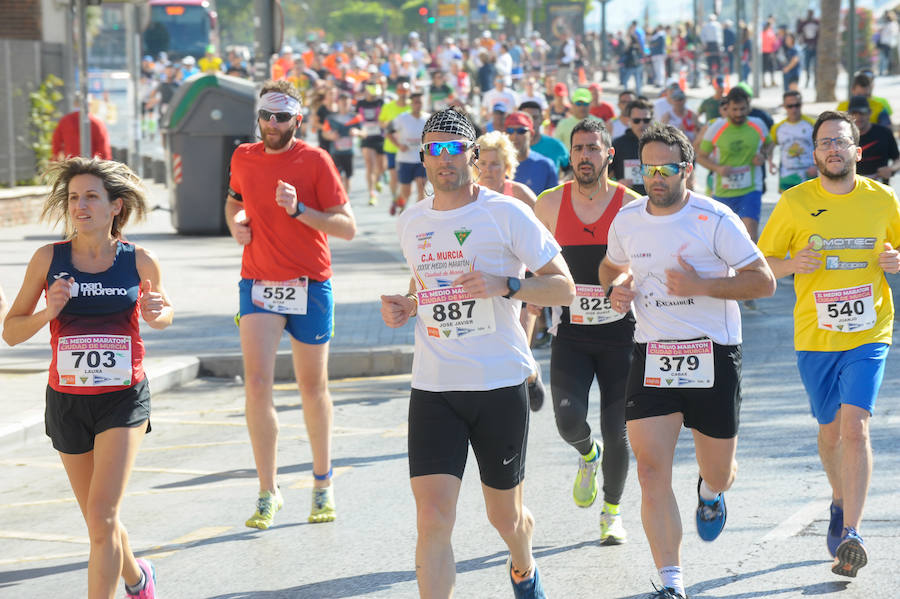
828,55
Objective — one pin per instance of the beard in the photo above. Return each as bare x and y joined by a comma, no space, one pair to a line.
282,141
670,197
846,169
588,179
463,177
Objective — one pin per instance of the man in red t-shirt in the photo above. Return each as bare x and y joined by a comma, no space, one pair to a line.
284,198
67,138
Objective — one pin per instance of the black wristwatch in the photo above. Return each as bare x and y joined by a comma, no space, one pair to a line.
301,208
513,284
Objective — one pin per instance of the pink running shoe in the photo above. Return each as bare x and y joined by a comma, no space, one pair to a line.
149,590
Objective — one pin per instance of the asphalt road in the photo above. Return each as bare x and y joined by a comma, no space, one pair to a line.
194,485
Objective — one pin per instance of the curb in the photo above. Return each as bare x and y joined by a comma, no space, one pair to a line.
342,363
163,374
168,373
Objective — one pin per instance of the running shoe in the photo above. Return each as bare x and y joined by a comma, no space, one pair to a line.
585,489
373,201
149,590
851,554
711,515
527,589
612,531
266,506
378,186
835,529
665,593
322,505
536,392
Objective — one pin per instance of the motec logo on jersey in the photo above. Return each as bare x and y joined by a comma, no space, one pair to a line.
841,243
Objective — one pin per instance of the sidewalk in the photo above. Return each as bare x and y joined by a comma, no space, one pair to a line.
200,275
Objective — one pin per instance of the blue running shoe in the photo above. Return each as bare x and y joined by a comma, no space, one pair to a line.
527,589
711,515
851,554
835,529
665,593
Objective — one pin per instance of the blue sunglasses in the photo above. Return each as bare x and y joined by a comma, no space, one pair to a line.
453,148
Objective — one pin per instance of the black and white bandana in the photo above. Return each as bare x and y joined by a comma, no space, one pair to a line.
449,121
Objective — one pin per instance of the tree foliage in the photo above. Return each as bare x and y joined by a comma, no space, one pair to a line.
43,116
362,18
235,22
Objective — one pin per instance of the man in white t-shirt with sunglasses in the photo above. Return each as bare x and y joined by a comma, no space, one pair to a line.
680,261
468,248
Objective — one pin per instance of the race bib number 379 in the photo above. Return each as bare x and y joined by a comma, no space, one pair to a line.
682,364
451,313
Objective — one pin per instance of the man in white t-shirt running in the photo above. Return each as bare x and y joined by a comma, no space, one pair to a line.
468,248
405,131
679,260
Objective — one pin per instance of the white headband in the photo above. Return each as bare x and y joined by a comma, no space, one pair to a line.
278,102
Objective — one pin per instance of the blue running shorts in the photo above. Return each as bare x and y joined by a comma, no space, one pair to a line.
850,377
315,327
748,205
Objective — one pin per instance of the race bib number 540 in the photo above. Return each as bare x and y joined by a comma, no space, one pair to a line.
846,310
680,364
451,313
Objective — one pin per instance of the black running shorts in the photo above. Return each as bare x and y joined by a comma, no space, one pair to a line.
495,422
72,421
714,411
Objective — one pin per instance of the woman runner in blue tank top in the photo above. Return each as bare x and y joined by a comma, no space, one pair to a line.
96,287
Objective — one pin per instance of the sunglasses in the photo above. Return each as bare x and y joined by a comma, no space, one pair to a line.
519,130
280,117
582,103
454,148
644,120
666,170
798,105
838,143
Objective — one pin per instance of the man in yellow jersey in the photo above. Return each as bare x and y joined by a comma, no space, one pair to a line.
840,230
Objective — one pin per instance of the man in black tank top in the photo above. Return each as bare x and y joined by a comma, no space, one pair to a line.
590,339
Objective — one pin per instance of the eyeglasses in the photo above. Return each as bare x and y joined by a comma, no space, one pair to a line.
280,117
453,148
789,106
666,170
519,130
582,103
644,120
838,143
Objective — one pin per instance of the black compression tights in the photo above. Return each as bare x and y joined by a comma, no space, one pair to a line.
573,366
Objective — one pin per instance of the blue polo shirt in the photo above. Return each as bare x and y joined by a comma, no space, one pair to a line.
537,172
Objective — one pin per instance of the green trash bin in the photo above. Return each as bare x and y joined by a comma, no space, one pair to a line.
208,117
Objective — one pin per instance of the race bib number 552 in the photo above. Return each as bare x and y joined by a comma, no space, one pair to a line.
451,313
680,364
283,297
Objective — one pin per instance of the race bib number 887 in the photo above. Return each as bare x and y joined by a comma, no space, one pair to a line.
451,313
